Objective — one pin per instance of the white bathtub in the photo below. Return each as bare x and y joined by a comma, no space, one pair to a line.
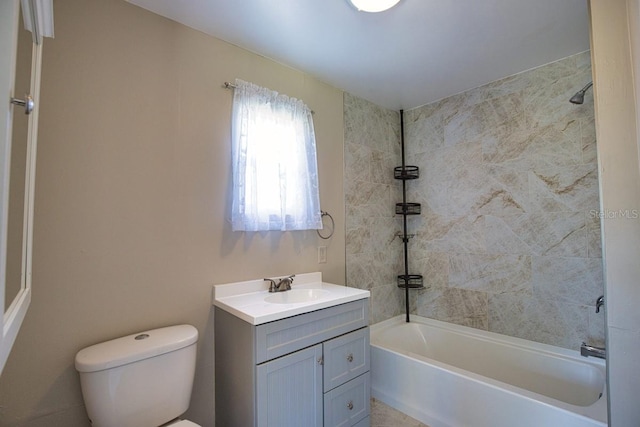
447,375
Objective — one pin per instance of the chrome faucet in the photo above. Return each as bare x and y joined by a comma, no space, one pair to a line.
283,284
599,303
272,284
590,350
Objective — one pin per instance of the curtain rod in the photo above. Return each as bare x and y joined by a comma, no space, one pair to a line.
228,85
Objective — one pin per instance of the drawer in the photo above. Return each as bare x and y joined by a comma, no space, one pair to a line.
345,358
285,336
348,404
366,422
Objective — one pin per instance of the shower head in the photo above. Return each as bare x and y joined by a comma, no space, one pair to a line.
578,98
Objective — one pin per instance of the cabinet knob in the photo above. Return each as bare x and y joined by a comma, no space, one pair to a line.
350,405
350,357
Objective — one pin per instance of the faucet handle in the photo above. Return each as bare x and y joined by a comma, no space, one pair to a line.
286,282
272,284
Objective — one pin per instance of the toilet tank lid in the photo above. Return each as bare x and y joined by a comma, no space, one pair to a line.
135,347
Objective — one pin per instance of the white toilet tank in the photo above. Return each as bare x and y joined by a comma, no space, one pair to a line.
141,380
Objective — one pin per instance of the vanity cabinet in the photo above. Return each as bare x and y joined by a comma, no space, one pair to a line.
308,370
289,390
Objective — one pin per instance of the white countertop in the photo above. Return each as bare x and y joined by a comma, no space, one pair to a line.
246,300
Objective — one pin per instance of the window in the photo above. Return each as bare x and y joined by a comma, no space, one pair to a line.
275,172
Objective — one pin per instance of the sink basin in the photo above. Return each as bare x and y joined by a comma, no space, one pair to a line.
296,296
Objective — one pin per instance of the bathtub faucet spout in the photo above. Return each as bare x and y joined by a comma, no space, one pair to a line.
589,350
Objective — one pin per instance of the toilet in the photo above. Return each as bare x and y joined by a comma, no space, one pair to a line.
141,380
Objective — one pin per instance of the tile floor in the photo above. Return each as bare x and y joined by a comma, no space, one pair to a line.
385,416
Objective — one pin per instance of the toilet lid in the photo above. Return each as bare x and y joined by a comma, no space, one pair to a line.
184,423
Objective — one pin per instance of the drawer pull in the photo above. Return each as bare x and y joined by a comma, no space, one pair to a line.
350,405
350,357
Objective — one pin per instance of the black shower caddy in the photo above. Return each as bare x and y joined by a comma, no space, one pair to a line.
406,173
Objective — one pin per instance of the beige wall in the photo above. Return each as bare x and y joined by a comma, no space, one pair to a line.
132,195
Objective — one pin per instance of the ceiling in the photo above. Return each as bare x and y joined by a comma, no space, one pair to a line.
418,52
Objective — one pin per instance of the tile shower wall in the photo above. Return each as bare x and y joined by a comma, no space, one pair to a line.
509,239
372,150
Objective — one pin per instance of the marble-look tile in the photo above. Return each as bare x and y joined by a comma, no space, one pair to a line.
508,171
502,238
556,233
370,269
372,235
382,164
549,73
386,302
572,280
432,198
356,239
532,318
384,232
448,108
508,86
508,144
487,190
436,233
491,273
515,182
594,235
424,130
568,189
554,147
367,193
438,170
468,122
547,96
357,158
433,266
370,125
583,60
385,416
357,213
588,140
460,306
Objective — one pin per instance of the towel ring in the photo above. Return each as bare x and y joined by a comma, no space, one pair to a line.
333,225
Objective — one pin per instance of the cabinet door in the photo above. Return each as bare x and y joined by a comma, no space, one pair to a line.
289,390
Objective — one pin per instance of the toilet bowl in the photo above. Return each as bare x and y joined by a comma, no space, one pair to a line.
143,379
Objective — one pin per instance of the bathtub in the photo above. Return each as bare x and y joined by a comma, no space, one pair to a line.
447,375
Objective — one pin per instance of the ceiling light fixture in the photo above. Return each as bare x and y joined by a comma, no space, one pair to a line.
373,5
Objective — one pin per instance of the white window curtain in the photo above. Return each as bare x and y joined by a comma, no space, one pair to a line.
275,172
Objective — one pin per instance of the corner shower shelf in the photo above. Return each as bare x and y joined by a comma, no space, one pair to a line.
406,172
413,280
408,208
